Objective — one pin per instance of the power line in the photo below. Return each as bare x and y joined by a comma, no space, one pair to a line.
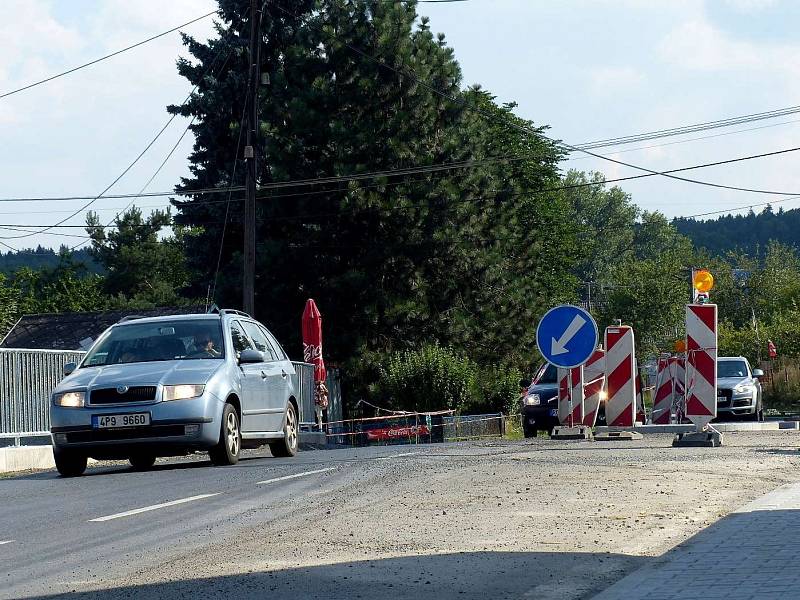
282,184
132,164
508,192
410,74
102,58
694,139
730,210
195,192
358,176
684,129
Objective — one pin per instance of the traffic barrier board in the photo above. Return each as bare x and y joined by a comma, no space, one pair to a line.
620,376
701,363
594,384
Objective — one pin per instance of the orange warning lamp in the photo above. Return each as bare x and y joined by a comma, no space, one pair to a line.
680,346
703,281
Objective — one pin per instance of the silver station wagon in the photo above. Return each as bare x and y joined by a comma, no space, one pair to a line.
166,386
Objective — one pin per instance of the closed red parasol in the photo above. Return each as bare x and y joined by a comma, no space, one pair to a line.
312,350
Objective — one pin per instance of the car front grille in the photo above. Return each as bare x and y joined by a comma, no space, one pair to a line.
111,435
140,393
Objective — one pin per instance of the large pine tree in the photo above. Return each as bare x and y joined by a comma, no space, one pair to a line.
467,257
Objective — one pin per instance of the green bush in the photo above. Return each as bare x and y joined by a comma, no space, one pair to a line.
782,392
498,391
428,379
436,378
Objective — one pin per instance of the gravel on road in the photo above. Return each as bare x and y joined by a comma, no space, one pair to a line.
528,519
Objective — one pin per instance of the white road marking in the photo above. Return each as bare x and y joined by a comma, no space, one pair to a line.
398,455
137,511
295,476
7,542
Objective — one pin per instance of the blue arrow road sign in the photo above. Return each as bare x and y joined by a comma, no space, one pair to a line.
567,336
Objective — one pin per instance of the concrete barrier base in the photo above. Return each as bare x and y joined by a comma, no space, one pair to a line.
610,435
571,433
702,439
313,440
676,429
25,458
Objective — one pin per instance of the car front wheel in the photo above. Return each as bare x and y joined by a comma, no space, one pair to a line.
69,463
226,452
288,445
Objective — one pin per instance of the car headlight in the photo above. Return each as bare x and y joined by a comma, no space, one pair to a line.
532,400
743,388
70,399
182,392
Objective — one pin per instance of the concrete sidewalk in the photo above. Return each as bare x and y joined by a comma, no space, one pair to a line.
750,554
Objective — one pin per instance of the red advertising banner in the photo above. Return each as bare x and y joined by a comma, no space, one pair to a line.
392,433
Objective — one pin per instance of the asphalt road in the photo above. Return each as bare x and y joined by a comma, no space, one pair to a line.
495,519
58,534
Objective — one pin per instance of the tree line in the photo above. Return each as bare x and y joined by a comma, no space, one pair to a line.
453,263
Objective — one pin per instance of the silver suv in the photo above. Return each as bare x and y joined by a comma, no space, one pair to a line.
738,389
165,386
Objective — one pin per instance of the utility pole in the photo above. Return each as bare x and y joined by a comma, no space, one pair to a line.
248,282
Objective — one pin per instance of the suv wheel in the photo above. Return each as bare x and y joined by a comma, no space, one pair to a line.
70,463
288,445
530,432
226,452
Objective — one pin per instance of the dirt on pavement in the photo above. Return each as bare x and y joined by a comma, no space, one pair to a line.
530,519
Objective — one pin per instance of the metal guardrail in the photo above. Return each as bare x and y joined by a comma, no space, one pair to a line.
27,378
304,385
467,427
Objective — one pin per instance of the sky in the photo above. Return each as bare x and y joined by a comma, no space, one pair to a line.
589,69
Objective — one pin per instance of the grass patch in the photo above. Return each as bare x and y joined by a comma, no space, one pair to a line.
514,428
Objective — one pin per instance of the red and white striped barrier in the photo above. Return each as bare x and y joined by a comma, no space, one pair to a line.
662,400
594,382
641,415
563,395
670,385
679,387
620,376
570,391
701,363
577,397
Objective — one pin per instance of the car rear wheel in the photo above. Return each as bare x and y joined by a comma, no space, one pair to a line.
70,463
288,445
226,452
530,432
142,462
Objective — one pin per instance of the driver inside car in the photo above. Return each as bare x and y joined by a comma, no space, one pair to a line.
204,345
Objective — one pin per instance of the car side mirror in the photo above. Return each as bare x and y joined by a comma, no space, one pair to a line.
757,373
524,383
249,355
69,368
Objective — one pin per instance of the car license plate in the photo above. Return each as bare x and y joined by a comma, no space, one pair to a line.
722,399
114,421
553,412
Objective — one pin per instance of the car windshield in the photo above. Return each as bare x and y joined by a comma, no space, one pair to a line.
731,368
547,374
158,341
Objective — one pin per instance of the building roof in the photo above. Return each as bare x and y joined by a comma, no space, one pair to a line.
76,331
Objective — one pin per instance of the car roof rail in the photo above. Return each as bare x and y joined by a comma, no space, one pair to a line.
230,311
131,318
